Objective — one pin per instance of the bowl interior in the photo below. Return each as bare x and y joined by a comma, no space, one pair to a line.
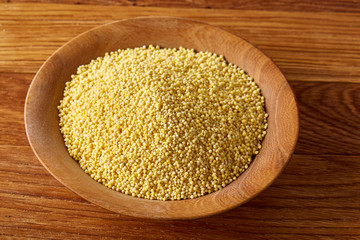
46,90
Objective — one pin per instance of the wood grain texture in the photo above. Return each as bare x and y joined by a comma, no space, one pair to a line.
279,5
317,196
306,46
329,118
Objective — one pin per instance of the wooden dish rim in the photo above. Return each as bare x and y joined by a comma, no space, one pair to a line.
153,211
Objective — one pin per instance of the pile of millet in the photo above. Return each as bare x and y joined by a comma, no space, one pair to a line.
162,123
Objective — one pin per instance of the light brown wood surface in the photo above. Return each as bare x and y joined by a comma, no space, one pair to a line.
316,197
280,5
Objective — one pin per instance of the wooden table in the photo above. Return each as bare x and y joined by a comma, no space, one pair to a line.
316,45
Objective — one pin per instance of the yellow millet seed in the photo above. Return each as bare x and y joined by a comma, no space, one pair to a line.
160,123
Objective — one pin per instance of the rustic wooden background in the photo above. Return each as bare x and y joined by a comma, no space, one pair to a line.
315,43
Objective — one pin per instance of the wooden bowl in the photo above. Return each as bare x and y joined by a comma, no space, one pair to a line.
46,90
